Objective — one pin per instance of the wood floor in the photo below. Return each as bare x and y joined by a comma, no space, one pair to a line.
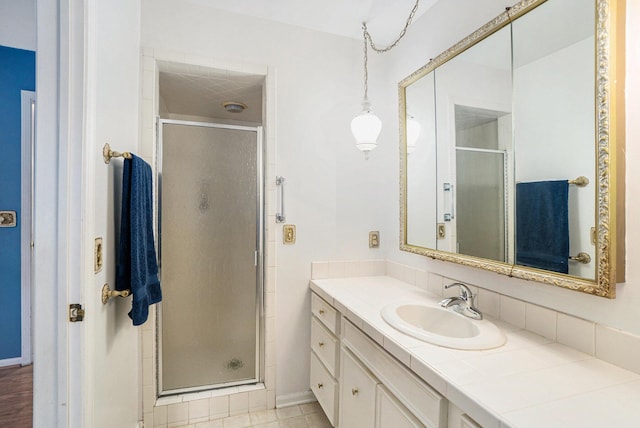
16,396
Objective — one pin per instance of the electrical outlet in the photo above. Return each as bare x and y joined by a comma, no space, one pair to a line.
289,234
374,239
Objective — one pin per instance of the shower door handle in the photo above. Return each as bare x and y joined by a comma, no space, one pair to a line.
448,188
280,216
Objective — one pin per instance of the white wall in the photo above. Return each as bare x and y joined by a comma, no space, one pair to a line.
334,196
452,21
331,191
113,63
18,24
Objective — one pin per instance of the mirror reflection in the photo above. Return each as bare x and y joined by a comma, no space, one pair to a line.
497,135
554,131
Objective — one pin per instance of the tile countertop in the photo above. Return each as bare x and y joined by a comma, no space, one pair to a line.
531,381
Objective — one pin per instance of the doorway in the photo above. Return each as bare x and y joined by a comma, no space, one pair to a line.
17,83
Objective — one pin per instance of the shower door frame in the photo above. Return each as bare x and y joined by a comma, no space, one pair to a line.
259,256
505,193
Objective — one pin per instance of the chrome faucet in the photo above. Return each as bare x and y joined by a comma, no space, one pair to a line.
464,303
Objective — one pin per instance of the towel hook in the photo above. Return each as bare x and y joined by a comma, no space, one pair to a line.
107,154
107,293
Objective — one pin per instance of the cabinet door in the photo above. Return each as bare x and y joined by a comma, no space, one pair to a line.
357,393
390,413
458,419
323,387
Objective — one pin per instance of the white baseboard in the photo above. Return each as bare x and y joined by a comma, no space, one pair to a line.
11,362
294,399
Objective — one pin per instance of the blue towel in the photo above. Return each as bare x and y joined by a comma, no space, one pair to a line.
542,225
137,267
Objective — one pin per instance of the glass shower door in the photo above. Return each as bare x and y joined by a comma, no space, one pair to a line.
210,220
480,203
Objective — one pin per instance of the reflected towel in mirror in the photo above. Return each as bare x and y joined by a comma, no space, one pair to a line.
542,225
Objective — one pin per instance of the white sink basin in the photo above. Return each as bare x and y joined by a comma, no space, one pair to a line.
442,327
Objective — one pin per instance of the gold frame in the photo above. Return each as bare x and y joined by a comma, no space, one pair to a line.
609,145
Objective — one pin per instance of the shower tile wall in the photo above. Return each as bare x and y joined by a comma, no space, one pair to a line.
209,405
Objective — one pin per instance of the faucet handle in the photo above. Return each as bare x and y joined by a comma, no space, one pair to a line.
465,292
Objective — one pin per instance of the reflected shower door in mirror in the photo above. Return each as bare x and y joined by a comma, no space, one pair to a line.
460,159
507,122
473,106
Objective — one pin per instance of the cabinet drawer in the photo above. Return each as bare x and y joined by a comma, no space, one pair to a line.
325,313
391,413
324,344
357,393
324,387
421,400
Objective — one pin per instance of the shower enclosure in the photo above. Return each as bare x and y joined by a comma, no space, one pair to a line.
210,227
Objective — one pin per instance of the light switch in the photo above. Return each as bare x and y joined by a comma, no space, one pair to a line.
289,234
97,256
8,219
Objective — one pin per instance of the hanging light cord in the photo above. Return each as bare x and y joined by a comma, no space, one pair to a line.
367,36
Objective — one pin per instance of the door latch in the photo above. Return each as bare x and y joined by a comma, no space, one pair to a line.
76,313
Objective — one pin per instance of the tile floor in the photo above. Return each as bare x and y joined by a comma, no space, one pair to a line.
301,416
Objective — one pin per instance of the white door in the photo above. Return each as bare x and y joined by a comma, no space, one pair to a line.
26,240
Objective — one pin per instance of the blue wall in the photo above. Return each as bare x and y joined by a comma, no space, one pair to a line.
17,72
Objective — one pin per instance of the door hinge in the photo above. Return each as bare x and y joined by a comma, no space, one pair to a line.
76,313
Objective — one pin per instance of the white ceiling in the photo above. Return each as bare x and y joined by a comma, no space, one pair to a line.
385,18
199,91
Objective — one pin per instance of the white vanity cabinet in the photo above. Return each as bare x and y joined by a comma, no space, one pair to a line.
359,384
324,368
415,396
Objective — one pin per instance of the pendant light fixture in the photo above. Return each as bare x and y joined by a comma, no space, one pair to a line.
366,126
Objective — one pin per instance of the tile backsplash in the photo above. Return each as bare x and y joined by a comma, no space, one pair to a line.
608,344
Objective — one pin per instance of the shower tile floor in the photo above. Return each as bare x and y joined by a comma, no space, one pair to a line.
301,416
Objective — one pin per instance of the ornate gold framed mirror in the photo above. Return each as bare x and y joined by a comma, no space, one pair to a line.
512,147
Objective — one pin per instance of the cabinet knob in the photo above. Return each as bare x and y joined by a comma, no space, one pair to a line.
354,391
321,344
320,386
321,311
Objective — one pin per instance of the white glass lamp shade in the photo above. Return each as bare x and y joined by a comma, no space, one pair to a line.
413,133
366,127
